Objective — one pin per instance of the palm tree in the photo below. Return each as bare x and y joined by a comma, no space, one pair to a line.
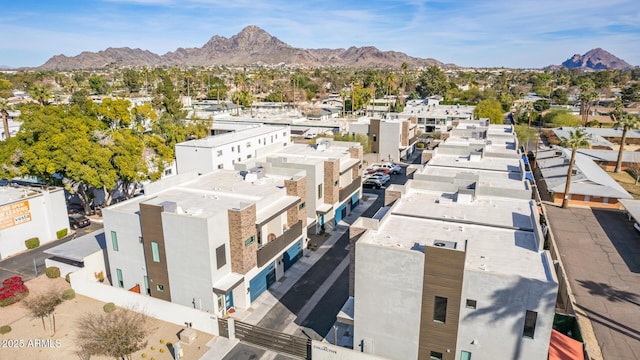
40,93
626,122
577,139
4,106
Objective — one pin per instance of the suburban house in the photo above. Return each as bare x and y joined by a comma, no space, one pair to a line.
464,274
394,139
590,185
30,212
322,113
431,116
238,143
334,172
595,141
213,242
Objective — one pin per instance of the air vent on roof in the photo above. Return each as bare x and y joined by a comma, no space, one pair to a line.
445,244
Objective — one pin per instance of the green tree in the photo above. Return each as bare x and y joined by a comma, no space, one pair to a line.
577,139
115,113
559,96
132,80
98,85
587,96
41,94
559,118
631,93
433,81
217,89
489,108
541,105
626,122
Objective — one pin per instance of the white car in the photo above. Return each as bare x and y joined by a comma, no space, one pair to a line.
393,168
383,178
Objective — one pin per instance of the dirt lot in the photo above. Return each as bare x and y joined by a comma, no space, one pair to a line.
28,340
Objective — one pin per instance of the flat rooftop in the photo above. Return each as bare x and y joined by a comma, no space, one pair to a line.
213,193
502,180
232,137
9,194
485,163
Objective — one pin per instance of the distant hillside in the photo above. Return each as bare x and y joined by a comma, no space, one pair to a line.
595,59
251,46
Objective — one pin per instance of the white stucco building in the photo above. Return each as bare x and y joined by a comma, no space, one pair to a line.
222,151
456,261
213,242
27,212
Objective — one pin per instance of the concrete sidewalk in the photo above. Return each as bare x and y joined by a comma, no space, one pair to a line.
220,346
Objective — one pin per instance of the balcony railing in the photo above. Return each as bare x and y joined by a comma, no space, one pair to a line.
267,252
349,189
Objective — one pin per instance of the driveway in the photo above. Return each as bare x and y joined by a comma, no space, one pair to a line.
601,252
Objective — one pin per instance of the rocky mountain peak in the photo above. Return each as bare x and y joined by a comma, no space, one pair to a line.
596,59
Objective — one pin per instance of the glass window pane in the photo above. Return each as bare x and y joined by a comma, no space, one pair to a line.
114,240
440,309
155,252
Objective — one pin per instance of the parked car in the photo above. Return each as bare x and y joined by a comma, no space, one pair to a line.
392,167
378,171
372,183
384,178
78,221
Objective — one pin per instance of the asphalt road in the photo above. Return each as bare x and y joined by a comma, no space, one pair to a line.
23,263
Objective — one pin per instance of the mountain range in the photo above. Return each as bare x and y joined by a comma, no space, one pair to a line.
594,59
253,45
250,46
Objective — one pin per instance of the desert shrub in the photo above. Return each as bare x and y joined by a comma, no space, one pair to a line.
52,272
68,294
61,233
109,307
153,348
144,355
162,341
162,350
12,291
32,243
5,329
67,278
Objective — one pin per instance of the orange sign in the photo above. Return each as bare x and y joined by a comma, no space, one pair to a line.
14,214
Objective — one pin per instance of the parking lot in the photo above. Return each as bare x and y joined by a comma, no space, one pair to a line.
600,250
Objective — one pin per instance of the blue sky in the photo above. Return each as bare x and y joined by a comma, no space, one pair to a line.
480,33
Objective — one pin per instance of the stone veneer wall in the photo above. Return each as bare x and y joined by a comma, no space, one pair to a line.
297,188
242,225
404,137
356,152
331,176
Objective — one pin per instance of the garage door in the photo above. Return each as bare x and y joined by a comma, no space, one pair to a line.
292,255
262,281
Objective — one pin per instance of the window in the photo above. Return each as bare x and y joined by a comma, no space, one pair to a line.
248,144
119,275
238,148
220,166
471,304
232,149
320,191
219,153
259,141
155,251
239,159
440,309
301,206
168,172
435,355
530,324
465,355
335,183
114,240
146,285
221,256
249,241
249,156
375,138
160,288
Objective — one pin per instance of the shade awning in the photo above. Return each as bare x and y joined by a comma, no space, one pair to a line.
324,208
227,283
562,347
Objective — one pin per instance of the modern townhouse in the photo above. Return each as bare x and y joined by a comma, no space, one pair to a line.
455,261
224,150
213,242
334,173
393,139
